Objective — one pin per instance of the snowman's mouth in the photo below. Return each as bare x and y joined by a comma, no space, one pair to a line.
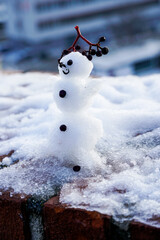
66,71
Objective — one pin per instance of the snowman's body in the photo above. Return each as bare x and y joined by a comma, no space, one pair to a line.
76,132
78,96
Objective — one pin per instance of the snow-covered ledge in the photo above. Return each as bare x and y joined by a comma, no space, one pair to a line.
129,108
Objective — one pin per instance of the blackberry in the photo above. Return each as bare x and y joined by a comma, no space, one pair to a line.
77,47
76,168
63,128
62,93
93,51
84,53
98,53
102,39
89,57
65,52
105,50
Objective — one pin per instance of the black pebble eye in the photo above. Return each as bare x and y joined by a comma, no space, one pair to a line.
63,128
70,62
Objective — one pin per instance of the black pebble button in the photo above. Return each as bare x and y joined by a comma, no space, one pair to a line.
62,93
63,128
76,168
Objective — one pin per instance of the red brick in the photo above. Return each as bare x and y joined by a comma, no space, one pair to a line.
14,223
64,223
140,231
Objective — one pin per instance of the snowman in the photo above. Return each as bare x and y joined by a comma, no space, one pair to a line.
75,91
76,133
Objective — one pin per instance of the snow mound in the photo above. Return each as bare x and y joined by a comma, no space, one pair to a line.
129,109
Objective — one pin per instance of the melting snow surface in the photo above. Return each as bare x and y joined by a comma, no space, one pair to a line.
129,108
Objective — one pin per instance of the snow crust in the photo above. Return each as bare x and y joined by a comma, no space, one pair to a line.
129,108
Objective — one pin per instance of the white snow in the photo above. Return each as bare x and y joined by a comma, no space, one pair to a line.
6,161
129,108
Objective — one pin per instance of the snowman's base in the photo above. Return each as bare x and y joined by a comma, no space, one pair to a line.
63,222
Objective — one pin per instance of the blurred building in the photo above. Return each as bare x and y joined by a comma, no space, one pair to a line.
41,20
48,25
140,59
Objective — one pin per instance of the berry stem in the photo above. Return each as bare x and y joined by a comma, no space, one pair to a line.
79,35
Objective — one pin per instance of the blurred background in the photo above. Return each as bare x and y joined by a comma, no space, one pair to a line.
33,34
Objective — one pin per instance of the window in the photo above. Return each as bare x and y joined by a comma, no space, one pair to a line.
147,64
142,65
46,24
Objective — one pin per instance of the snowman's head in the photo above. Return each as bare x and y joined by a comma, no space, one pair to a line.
75,65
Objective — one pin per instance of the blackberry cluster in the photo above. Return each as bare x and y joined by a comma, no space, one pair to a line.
99,51
94,48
